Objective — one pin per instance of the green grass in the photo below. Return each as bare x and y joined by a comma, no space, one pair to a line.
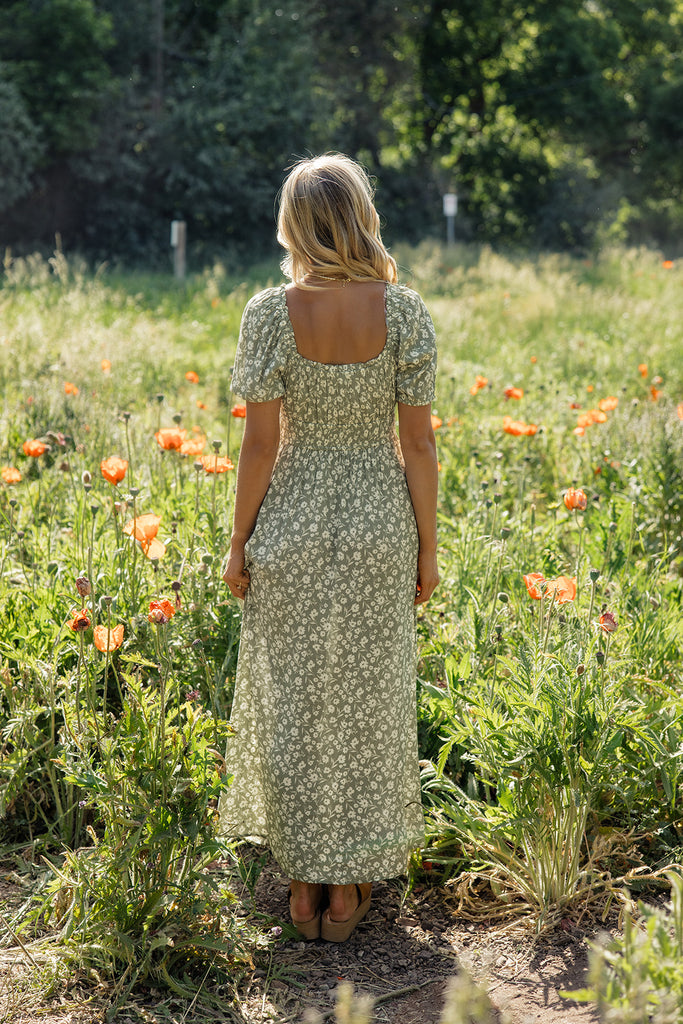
552,751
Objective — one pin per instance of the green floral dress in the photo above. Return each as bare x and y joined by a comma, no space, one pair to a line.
324,752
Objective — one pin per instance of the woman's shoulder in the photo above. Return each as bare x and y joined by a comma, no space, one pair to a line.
270,300
404,301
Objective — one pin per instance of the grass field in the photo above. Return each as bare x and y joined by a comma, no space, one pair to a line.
549,707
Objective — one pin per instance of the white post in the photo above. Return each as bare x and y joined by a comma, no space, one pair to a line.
450,208
178,240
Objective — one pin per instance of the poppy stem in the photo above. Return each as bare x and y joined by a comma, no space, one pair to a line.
129,449
579,523
488,554
550,616
632,531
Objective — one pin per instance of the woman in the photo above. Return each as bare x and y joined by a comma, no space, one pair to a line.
333,544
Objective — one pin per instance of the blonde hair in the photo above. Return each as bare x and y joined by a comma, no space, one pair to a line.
328,223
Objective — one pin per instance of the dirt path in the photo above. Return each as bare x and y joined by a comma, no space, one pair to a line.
402,955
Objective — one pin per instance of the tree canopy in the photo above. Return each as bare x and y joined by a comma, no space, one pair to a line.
558,124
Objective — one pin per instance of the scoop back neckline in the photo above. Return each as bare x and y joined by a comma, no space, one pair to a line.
319,362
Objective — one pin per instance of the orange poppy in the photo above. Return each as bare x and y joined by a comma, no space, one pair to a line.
679,410
655,393
160,612
479,383
113,469
608,404
533,359
108,639
239,411
144,528
170,437
215,302
10,475
534,582
518,428
575,405
193,446
69,388
34,448
564,588
192,377
608,622
642,369
79,620
575,499
436,422
511,392
579,431
216,464
200,404
106,366
590,388
667,264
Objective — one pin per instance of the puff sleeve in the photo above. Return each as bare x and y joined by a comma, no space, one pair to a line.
258,375
416,364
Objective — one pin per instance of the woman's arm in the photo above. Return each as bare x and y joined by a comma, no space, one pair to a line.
419,454
255,468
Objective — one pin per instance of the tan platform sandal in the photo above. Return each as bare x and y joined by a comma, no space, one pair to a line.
339,931
308,929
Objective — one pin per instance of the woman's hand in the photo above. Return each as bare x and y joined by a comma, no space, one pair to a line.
427,576
235,575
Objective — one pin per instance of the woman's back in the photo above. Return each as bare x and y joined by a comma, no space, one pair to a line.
339,325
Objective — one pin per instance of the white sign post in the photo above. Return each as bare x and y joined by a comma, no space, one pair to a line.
450,208
178,240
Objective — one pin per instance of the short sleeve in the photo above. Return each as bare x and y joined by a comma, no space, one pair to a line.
416,367
258,375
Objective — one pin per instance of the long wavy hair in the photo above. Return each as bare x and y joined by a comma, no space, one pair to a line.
328,223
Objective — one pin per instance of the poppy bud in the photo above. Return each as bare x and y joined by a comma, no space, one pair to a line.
600,657
503,598
505,532
106,600
207,558
216,445
13,503
177,417
612,527
497,498
580,669
83,586
86,478
52,568
594,575
197,644
199,466
134,491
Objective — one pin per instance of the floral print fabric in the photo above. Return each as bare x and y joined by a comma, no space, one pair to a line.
324,751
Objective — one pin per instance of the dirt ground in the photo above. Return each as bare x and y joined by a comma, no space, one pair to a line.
402,955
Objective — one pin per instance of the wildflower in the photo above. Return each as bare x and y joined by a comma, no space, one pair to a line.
518,427
575,405
106,366
667,264
34,448
108,639
113,469
479,383
192,377
579,431
436,422
200,404
170,437
655,393
69,388
160,612
608,622
216,464
82,586
575,499
609,403
533,582
10,475
239,411
192,695
563,588
193,446
215,302
679,410
515,393
145,528
589,388
642,369
79,620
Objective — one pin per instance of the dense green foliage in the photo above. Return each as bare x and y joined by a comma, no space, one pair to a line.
558,125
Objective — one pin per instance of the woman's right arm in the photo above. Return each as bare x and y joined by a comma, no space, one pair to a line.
419,454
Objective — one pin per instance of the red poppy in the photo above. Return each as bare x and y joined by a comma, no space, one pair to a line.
534,581
436,422
575,498
655,393
108,639
533,359
239,411
34,448
106,366
479,383
10,475
511,392
192,377
170,437
79,620
69,388
160,612
144,528
518,428
216,464
608,404
667,264
193,446
608,622
679,410
642,369
564,588
113,469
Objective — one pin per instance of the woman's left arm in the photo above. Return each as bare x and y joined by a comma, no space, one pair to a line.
255,468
